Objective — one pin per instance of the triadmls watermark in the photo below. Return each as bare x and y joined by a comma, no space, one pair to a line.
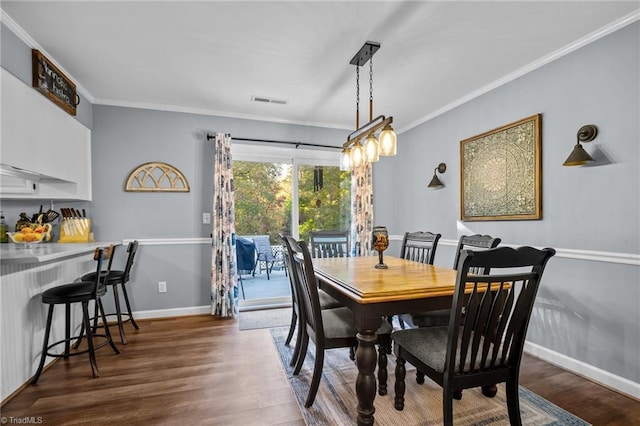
24,420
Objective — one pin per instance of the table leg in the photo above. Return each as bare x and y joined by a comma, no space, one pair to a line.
366,382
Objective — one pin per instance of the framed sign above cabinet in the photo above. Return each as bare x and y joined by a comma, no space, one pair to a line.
52,83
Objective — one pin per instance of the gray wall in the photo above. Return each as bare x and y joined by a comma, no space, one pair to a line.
124,138
587,310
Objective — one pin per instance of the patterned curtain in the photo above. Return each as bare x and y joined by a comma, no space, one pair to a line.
362,209
224,278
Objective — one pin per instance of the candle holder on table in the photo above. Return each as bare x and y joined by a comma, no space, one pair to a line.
380,242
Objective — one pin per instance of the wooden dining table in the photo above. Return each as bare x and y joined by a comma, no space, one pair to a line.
405,286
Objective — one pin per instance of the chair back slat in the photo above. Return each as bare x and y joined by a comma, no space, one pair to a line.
287,256
488,322
477,242
419,246
324,244
307,286
100,254
132,248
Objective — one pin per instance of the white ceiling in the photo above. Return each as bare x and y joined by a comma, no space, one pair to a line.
212,57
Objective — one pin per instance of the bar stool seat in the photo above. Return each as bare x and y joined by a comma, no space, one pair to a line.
79,292
118,278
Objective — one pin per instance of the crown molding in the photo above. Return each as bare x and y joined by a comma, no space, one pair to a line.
29,41
211,112
590,38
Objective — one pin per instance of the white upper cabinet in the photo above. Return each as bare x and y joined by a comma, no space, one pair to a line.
42,144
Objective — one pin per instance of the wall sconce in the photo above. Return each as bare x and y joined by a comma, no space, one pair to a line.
435,182
579,156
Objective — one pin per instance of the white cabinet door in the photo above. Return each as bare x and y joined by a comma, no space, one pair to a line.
40,137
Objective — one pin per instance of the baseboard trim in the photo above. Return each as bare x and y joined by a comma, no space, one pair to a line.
602,377
172,312
259,304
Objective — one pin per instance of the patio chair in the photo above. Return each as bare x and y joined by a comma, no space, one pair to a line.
265,257
245,258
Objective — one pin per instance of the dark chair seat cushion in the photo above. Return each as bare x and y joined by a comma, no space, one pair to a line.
69,293
114,276
429,345
338,324
431,318
326,301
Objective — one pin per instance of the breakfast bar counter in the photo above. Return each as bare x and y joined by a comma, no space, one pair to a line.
25,274
11,254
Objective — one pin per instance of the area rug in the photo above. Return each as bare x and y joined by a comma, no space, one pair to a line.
335,403
265,318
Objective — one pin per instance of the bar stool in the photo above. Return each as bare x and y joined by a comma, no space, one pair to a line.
115,278
79,292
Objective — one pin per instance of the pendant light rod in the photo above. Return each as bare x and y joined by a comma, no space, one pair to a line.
371,127
297,144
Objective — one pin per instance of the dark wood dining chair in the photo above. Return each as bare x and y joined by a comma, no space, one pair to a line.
81,292
297,321
484,345
329,244
419,247
441,317
327,328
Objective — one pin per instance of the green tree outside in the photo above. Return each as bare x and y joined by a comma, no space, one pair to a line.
263,199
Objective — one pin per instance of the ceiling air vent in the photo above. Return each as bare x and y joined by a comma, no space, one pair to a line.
267,100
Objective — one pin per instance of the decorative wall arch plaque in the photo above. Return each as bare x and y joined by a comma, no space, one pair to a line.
157,177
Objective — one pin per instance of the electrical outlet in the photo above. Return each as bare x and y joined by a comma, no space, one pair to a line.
206,218
162,286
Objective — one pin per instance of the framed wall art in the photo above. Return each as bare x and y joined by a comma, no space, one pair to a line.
500,173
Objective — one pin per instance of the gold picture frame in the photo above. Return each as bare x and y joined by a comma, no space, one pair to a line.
500,173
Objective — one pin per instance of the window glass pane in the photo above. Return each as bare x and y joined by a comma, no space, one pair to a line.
262,199
324,199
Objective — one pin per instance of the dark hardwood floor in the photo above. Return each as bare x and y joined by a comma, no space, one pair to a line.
199,370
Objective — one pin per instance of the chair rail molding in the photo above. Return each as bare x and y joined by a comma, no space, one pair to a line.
592,255
170,241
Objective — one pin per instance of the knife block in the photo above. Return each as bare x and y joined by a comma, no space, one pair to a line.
75,230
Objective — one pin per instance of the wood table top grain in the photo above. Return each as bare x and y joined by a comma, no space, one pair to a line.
358,278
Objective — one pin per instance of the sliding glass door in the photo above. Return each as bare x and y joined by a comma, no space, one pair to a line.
324,199
290,192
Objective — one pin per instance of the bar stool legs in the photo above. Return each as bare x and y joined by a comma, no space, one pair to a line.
43,357
86,325
118,313
126,299
116,298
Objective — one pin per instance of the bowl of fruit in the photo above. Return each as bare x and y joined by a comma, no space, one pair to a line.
31,235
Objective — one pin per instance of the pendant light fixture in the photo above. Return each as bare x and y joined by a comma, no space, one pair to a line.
371,143
357,152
